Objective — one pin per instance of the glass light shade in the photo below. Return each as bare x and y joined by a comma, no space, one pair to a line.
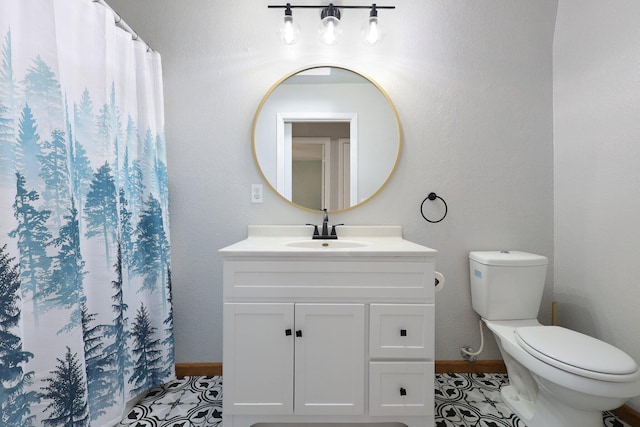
372,33
330,30
289,31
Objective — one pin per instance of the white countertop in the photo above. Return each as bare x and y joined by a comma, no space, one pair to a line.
285,240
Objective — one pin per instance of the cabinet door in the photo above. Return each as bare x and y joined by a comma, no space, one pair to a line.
329,359
258,358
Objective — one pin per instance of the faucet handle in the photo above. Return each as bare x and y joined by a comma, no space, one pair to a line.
315,229
333,228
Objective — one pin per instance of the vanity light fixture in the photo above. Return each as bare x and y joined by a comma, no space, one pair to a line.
330,29
330,23
289,31
371,31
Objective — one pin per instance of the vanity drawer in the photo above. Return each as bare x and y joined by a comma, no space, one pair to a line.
401,331
401,388
369,279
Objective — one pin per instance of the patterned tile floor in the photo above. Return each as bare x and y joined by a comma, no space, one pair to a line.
462,400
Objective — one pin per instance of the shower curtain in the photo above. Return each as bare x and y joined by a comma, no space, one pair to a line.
86,319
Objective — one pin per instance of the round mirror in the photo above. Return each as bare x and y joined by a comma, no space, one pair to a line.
326,137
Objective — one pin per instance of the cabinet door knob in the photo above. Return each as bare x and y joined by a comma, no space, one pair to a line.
403,332
287,332
298,333
403,391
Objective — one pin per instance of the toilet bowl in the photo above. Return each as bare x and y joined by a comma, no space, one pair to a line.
542,394
557,377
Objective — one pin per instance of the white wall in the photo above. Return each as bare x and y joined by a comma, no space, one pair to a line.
472,82
597,170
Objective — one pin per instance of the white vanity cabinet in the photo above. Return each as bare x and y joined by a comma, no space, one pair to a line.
324,335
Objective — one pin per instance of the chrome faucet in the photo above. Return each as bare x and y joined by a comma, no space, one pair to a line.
325,234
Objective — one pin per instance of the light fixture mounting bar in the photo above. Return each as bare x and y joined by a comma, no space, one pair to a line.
292,6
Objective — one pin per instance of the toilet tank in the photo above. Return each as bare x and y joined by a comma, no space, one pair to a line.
507,285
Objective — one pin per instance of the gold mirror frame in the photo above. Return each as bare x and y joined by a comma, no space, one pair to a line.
395,117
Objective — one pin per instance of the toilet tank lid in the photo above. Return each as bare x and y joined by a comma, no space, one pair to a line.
507,258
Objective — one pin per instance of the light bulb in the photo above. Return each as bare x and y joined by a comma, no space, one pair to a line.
330,25
330,30
289,31
371,31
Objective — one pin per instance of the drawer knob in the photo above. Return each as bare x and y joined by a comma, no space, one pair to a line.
298,333
403,391
403,332
287,332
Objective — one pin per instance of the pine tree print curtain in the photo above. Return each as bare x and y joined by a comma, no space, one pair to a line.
85,281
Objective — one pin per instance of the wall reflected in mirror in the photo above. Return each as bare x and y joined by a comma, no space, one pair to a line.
326,137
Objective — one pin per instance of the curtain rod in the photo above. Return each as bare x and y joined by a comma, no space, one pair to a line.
120,23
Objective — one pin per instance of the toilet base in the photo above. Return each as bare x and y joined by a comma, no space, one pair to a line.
548,413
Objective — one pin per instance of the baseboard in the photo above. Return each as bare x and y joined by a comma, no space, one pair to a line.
442,367
198,369
628,415
625,413
477,367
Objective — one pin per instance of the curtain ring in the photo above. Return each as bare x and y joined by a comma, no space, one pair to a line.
433,196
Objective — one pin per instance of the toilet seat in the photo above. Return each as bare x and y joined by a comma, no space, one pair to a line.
577,353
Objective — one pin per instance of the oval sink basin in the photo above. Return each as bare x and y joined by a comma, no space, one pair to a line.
327,244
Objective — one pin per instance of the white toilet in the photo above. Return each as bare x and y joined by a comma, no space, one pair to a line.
558,377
